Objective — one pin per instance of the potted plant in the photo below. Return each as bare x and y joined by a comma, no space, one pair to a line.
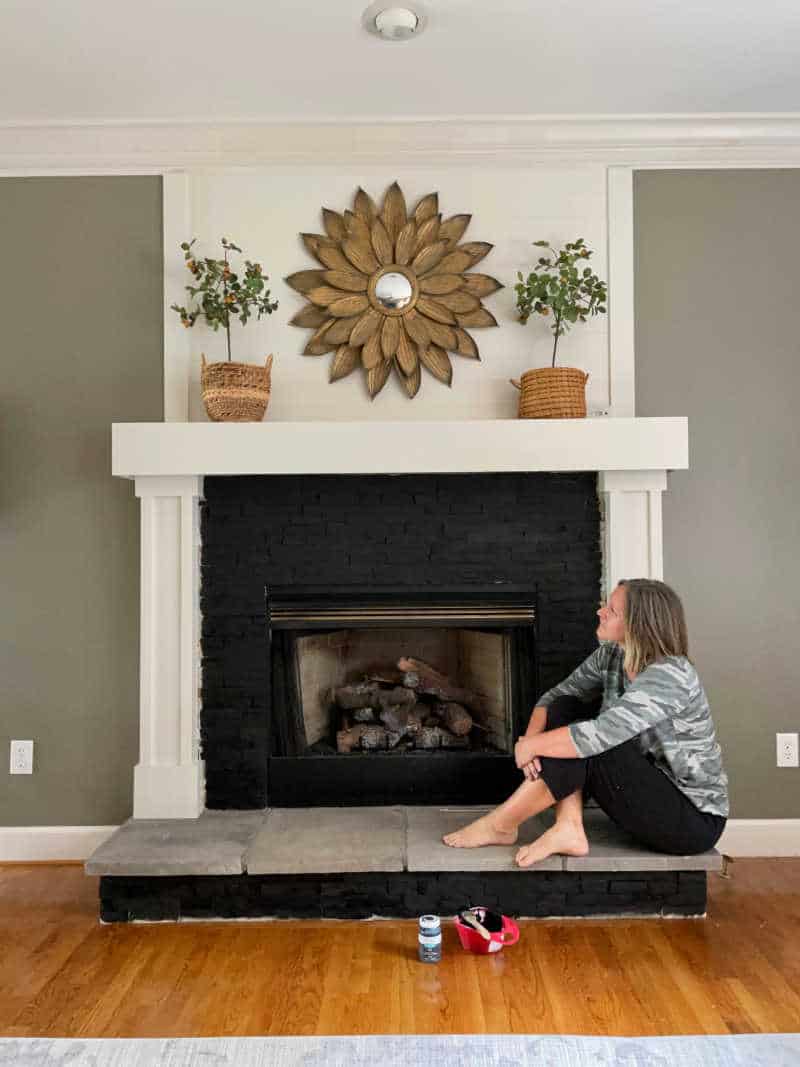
559,286
232,392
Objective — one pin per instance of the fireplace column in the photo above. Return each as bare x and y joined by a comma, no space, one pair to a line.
169,779
632,532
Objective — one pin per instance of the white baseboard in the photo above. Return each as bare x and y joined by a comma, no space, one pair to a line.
37,844
31,844
761,837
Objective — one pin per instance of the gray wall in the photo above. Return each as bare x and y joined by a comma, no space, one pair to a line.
717,340
81,298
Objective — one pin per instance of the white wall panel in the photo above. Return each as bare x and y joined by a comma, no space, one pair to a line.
512,206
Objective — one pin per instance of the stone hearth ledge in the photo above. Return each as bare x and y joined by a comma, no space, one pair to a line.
350,840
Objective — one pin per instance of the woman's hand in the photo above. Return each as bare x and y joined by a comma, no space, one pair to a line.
524,751
533,769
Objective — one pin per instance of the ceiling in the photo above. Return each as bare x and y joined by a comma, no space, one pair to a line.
101,60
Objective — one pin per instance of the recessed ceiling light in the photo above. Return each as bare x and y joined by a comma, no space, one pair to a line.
393,23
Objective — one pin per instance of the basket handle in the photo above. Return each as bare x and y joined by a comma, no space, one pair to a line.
268,363
515,382
202,359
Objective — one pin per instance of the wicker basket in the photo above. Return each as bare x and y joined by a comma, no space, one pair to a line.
552,393
236,392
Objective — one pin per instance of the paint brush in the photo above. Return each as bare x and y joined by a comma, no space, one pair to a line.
471,919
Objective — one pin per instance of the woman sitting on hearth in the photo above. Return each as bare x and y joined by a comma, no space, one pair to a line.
630,727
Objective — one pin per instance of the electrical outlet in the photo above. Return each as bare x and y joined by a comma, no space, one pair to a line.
787,750
22,757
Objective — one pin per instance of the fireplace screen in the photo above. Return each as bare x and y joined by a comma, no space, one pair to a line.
385,678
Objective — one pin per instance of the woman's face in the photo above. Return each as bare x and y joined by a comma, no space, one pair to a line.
612,617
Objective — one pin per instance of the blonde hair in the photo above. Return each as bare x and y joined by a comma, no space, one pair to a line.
655,624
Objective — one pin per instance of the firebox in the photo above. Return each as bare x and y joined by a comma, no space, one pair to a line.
395,696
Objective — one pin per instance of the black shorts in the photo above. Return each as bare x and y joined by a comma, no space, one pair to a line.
630,789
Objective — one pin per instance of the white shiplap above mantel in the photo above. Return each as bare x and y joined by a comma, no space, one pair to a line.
593,444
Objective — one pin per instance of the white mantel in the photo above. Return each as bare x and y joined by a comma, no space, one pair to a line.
169,460
594,444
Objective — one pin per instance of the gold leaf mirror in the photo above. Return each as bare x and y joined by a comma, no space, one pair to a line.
393,291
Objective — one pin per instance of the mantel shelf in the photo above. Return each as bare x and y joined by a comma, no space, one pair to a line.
366,447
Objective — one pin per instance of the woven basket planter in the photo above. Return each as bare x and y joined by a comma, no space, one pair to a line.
552,393
236,392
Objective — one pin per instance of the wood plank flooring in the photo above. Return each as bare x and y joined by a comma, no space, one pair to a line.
62,974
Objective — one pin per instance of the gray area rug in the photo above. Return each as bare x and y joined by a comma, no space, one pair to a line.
489,1050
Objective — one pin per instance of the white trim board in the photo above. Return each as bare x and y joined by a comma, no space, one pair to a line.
761,837
36,844
176,225
764,838
621,318
762,139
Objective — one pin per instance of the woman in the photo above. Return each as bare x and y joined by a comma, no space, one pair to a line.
630,727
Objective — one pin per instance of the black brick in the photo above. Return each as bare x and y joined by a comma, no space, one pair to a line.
401,895
410,531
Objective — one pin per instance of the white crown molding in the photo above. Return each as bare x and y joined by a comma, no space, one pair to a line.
160,146
766,838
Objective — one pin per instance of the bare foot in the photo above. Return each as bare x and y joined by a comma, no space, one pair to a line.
565,838
479,833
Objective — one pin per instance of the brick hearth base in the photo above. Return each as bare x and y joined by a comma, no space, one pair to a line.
534,894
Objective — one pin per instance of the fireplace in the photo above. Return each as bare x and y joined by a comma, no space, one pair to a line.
318,563
397,696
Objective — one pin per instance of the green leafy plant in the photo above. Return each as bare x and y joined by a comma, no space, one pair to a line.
221,292
556,285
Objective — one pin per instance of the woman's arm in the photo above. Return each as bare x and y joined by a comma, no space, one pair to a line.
556,743
585,682
658,693
537,721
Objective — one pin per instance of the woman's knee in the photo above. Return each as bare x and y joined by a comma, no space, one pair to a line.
563,776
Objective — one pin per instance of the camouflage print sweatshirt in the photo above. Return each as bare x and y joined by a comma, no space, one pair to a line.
665,707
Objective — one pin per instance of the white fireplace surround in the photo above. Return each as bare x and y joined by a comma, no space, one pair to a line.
168,461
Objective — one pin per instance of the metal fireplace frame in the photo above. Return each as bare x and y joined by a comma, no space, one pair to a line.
393,778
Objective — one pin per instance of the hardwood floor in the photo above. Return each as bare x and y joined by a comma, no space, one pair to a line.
63,974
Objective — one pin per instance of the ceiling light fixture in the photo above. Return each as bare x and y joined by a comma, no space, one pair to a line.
393,23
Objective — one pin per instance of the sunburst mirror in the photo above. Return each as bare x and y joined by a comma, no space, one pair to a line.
393,290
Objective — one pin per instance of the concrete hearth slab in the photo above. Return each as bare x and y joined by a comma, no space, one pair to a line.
350,840
328,841
611,849
427,852
214,843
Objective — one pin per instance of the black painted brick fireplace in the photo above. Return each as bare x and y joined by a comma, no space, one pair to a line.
416,531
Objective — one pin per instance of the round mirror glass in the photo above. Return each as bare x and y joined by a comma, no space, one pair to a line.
393,291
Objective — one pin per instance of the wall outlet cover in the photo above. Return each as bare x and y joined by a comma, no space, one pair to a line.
787,750
21,757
